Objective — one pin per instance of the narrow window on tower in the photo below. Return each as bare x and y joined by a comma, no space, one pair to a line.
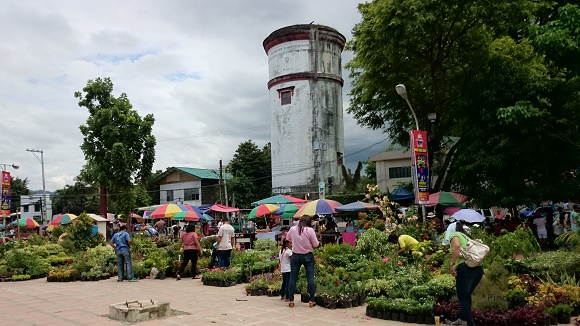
285,95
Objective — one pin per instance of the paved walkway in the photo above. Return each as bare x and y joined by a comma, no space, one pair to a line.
37,302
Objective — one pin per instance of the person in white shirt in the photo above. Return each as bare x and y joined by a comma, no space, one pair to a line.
225,243
285,269
541,230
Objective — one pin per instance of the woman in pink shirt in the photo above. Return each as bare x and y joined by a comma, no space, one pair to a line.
304,241
191,249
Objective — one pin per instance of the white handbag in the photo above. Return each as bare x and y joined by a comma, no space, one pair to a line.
474,252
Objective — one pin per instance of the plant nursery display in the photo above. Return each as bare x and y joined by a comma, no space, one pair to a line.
521,284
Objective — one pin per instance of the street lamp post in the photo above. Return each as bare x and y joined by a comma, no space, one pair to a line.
402,91
14,166
41,160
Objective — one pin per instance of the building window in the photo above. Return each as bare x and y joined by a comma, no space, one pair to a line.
400,172
339,158
37,207
286,98
191,194
169,195
25,209
285,95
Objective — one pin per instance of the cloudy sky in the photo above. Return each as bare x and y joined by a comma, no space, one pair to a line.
198,66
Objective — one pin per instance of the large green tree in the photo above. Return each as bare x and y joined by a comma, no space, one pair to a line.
474,65
77,198
18,187
118,144
251,171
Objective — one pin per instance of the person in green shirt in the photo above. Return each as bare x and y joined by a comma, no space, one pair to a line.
406,242
466,278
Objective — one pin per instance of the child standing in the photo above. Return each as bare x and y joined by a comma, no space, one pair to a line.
285,255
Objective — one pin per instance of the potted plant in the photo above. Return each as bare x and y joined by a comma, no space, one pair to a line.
562,312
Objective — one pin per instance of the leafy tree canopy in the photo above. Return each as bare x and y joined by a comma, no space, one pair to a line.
252,176
497,76
118,143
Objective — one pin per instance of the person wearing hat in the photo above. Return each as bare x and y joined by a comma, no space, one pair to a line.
436,226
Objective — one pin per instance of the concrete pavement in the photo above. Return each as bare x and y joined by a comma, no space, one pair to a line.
37,302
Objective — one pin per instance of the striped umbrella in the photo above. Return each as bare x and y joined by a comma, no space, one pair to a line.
287,211
62,219
189,215
318,207
26,223
207,217
167,211
263,210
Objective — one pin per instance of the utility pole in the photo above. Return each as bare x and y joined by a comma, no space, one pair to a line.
221,184
41,159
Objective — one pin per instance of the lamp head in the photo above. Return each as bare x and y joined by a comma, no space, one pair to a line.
15,167
401,90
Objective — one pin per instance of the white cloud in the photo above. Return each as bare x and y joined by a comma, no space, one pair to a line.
198,66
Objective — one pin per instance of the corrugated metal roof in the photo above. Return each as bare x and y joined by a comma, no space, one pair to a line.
206,174
200,173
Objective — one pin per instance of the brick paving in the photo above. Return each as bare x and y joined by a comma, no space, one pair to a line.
37,302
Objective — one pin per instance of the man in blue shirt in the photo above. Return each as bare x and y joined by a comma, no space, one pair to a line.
122,242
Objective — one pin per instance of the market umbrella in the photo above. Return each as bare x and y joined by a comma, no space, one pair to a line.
279,200
26,223
263,210
63,219
468,215
447,199
287,211
187,216
451,210
207,217
48,227
223,208
357,206
167,210
319,206
401,194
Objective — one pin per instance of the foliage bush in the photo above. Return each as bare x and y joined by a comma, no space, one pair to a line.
265,245
207,242
27,262
373,244
20,277
81,233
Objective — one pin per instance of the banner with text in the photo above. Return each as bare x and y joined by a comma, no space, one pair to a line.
420,158
6,194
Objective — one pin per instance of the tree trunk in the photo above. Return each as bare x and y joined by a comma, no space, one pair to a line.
103,202
443,171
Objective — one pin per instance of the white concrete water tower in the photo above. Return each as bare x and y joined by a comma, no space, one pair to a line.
307,131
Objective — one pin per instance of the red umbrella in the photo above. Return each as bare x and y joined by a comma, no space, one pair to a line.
223,208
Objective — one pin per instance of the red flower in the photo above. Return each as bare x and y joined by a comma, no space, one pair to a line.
386,259
399,263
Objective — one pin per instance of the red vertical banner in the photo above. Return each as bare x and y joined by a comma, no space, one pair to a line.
6,194
420,168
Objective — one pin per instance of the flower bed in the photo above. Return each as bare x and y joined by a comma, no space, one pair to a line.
220,277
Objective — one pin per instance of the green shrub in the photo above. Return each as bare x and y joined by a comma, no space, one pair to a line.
373,243
207,242
27,262
20,277
265,244
81,233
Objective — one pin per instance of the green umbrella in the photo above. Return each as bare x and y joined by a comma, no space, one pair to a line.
287,211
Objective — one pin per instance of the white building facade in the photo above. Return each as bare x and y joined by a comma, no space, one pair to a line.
305,84
31,207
